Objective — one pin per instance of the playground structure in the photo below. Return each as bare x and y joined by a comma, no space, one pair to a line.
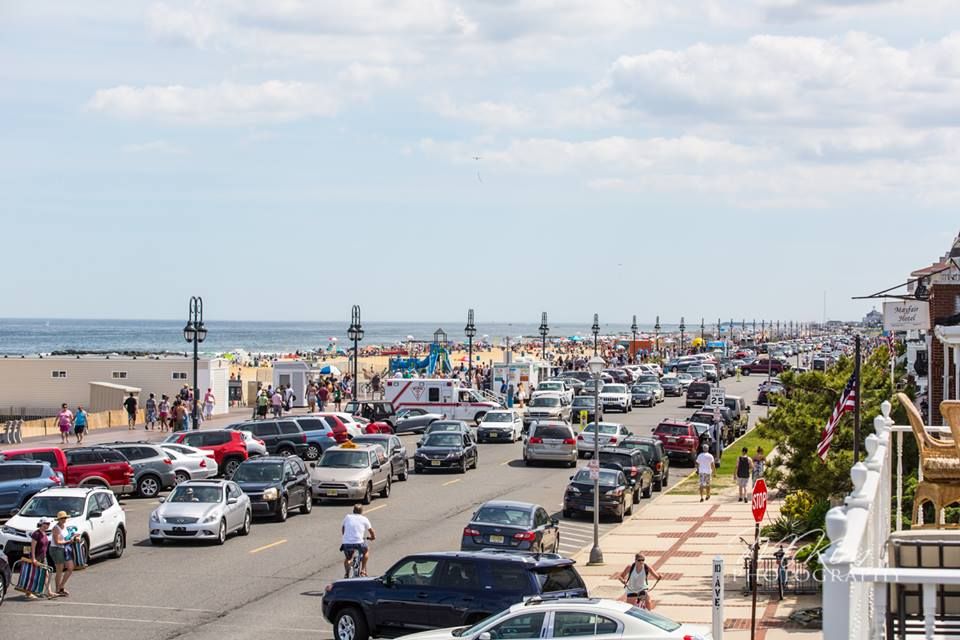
436,363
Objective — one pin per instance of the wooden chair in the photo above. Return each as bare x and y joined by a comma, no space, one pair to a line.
940,461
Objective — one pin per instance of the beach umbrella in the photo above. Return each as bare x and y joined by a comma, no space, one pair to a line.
332,339
410,338
329,370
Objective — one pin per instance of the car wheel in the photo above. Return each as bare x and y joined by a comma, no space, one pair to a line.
349,624
403,475
657,486
476,461
307,505
156,541
628,510
556,544
312,452
230,467
417,469
620,512
182,476
148,487
368,494
385,492
221,533
245,529
567,513
3,589
282,510
648,491
463,465
286,451
636,495
119,543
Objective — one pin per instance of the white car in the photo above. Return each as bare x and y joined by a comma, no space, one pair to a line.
571,617
500,426
611,433
558,387
353,424
616,396
190,463
93,511
202,510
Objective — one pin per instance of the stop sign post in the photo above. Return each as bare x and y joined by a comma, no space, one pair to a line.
759,506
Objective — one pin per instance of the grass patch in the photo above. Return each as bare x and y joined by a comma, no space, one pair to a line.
723,477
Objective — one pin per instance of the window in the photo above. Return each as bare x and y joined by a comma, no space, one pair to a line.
418,571
118,375
215,437
289,428
104,500
10,472
194,439
510,577
58,374
106,455
568,624
540,518
233,492
178,375
460,574
563,578
433,394
526,625
136,453
92,504
265,429
82,457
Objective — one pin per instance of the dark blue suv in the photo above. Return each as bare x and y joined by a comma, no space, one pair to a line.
20,480
445,589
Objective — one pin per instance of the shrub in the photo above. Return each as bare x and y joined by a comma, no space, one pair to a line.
797,505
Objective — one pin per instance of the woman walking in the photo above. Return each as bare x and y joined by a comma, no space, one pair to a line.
64,422
164,409
79,424
39,544
209,401
62,553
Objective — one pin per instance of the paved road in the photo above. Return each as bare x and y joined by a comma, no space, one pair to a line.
268,585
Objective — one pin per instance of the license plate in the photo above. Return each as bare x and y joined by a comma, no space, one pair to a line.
589,507
671,440
494,434
496,539
331,492
435,463
26,549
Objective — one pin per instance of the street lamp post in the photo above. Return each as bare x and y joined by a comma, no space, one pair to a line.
355,333
596,366
683,328
470,331
596,332
633,328
703,342
195,332
544,332
656,336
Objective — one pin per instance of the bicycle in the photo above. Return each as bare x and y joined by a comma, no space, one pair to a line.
356,562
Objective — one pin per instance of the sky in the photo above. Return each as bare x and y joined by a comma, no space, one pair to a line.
287,159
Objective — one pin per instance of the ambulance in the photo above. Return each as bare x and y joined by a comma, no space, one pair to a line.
448,397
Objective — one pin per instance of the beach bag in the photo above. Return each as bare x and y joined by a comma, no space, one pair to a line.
32,579
81,559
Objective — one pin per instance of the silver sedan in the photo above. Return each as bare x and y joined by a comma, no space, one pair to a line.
190,463
201,510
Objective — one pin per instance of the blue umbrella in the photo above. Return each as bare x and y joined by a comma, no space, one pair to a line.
329,370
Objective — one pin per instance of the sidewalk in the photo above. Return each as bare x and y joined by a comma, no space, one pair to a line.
680,536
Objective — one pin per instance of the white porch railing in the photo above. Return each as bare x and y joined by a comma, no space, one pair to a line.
855,569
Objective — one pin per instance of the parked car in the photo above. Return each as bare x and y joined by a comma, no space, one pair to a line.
741,413
611,433
444,426
615,494
83,466
93,510
228,447
351,472
446,450
414,420
711,372
353,424
573,617
639,474
658,394
54,456
616,396
705,415
697,394
680,439
655,455
574,384
546,406
255,446
20,480
6,576
559,387
283,437
767,366
395,449
642,396
321,434
768,392
550,441
685,380
372,410
671,386
190,463
500,426
517,526
415,593
584,403
201,510
275,485
152,467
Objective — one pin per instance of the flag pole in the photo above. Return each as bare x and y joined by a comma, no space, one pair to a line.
856,405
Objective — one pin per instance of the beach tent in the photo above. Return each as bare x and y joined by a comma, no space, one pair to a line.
330,370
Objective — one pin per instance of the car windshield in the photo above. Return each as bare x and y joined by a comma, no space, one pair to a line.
605,429
408,413
498,417
613,388
48,506
646,447
548,432
583,401
545,402
258,472
650,386
443,426
550,386
443,440
207,495
344,459
511,516
657,620
672,430
607,478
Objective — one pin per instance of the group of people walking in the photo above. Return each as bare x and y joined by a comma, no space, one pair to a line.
55,540
69,422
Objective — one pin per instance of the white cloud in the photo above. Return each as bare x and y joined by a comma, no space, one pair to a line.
489,114
155,147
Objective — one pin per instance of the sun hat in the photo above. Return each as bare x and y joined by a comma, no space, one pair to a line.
61,515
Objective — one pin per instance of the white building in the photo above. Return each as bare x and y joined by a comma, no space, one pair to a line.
39,385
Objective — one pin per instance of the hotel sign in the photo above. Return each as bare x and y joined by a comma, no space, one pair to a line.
906,316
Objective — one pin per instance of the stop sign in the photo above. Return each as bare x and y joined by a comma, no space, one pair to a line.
759,502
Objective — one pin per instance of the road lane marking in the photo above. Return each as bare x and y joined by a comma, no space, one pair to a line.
379,506
505,463
269,546
101,618
452,482
132,606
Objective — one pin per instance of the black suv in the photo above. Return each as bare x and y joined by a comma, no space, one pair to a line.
283,437
634,465
444,589
275,484
698,393
655,455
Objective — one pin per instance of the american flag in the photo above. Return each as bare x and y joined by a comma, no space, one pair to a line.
846,404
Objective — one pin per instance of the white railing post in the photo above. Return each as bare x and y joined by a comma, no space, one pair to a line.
836,584
929,610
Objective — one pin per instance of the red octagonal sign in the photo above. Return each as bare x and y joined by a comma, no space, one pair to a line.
759,502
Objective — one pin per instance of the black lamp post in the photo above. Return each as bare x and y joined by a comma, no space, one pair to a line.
763,330
470,331
596,332
683,328
703,342
633,328
195,332
355,333
656,336
544,332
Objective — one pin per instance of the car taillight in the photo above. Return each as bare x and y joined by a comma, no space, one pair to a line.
55,479
580,437
659,465
203,464
526,536
536,440
303,437
470,532
569,441
261,443
612,440
633,471
167,461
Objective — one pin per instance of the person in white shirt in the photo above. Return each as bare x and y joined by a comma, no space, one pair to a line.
705,467
356,530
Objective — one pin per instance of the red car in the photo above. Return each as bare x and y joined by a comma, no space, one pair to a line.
228,447
378,427
83,466
680,439
771,365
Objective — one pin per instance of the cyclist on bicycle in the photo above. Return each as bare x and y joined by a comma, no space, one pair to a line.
634,578
356,530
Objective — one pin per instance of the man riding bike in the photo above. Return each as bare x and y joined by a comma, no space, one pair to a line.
356,530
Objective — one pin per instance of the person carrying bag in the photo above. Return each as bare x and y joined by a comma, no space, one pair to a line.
34,579
634,579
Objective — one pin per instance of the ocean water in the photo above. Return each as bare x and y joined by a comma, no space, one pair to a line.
38,335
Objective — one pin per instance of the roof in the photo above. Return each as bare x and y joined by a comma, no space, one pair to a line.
533,560
559,602
218,482
510,503
263,459
73,492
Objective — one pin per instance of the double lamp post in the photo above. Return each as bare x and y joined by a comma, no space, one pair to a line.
195,332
